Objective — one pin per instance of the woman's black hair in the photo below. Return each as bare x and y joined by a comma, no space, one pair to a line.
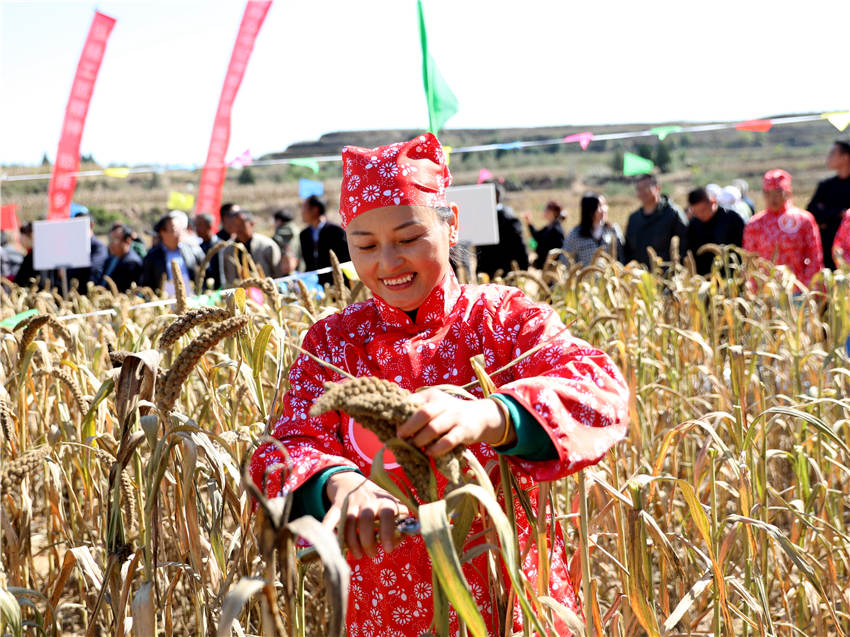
589,205
459,254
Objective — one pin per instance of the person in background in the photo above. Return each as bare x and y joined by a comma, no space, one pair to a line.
832,197
841,245
284,235
157,262
550,236
744,188
710,223
730,199
137,245
26,271
511,248
184,229
215,268
227,215
782,233
593,232
263,251
10,258
319,238
124,265
98,254
654,224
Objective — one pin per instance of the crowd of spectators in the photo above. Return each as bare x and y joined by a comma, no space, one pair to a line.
803,240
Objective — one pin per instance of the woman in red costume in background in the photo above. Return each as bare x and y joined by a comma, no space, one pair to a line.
556,411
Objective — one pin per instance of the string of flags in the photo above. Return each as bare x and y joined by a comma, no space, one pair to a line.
840,120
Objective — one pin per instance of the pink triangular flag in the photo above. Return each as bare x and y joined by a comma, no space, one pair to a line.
484,175
583,139
241,160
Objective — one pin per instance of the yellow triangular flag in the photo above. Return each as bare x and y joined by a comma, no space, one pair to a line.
180,201
119,173
839,120
448,151
349,271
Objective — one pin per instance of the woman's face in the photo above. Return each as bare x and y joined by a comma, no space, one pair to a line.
401,252
601,214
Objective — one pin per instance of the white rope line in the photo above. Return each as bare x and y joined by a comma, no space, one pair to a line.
164,302
697,128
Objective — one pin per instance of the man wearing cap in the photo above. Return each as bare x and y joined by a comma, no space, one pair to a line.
832,198
782,233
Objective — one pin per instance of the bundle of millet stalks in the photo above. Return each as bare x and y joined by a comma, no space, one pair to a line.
381,406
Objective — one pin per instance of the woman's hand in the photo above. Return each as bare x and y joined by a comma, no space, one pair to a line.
371,510
443,422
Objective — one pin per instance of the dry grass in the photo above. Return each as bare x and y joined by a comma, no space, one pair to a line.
724,512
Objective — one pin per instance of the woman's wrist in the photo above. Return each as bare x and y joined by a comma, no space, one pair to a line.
353,478
499,430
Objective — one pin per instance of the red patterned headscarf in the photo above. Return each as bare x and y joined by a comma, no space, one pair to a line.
776,179
410,173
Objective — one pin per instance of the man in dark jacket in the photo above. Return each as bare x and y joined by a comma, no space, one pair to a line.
98,254
654,224
157,263
709,223
124,265
511,247
319,238
832,198
227,215
215,268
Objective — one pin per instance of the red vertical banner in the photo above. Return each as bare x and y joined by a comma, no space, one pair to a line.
215,167
63,179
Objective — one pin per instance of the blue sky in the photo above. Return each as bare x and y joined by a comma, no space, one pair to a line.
329,65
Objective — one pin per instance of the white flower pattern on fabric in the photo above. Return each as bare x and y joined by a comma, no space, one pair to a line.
370,193
388,170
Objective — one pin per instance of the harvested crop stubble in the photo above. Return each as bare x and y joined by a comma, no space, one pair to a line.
191,318
19,468
189,357
381,406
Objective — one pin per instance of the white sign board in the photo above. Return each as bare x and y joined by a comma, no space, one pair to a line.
61,244
477,205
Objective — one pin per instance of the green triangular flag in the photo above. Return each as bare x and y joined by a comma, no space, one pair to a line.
663,131
636,165
312,164
442,103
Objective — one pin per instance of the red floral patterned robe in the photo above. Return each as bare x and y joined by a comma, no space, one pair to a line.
841,246
575,392
787,237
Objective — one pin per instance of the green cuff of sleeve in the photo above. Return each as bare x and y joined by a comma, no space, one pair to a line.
310,498
532,441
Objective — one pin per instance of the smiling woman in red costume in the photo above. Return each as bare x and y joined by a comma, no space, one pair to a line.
556,411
